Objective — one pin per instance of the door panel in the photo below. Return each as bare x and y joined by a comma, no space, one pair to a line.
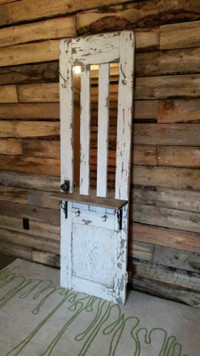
93,254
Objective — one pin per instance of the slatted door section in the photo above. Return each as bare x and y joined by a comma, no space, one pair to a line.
85,221
102,50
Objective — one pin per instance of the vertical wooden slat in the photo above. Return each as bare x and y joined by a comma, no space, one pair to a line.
85,131
66,247
66,113
103,120
124,119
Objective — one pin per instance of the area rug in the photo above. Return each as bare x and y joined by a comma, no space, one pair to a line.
38,318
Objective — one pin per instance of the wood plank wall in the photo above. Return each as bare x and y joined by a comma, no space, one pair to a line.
164,246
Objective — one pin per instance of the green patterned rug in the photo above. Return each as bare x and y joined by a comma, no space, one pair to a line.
40,318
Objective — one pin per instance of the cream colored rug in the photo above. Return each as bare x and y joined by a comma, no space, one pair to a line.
39,318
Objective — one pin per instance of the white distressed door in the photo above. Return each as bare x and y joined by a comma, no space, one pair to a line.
94,227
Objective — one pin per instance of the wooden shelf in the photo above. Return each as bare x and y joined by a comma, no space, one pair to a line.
109,202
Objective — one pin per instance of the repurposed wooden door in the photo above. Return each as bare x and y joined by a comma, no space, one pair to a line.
94,224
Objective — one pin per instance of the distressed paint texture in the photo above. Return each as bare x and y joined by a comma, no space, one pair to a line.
94,238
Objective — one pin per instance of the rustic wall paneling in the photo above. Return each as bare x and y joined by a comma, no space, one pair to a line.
166,125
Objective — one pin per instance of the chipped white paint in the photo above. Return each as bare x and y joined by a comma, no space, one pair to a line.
93,243
85,132
103,120
65,247
120,276
94,251
66,113
124,116
96,49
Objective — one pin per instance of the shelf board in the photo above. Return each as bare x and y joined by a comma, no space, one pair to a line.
109,202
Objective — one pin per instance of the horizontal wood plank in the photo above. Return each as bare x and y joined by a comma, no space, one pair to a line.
23,239
8,94
29,181
15,250
164,217
168,62
23,53
30,111
164,134
33,212
165,197
28,129
36,165
171,86
35,228
182,260
172,111
178,178
178,239
179,156
42,30
41,148
46,258
29,73
180,35
10,146
13,194
25,10
132,15
42,199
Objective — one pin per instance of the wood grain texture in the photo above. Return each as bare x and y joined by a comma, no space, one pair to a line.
23,53
30,111
168,62
177,239
38,92
10,146
33,212
36,165
29,73
31,241
40,148
46,258
25,10
164,134
179,156
136,15
35,228
170,86
164,217
180,35
15,250
172,111
186,200
8,94
29,181
41,30
28,128
13,194
183,260
179,178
